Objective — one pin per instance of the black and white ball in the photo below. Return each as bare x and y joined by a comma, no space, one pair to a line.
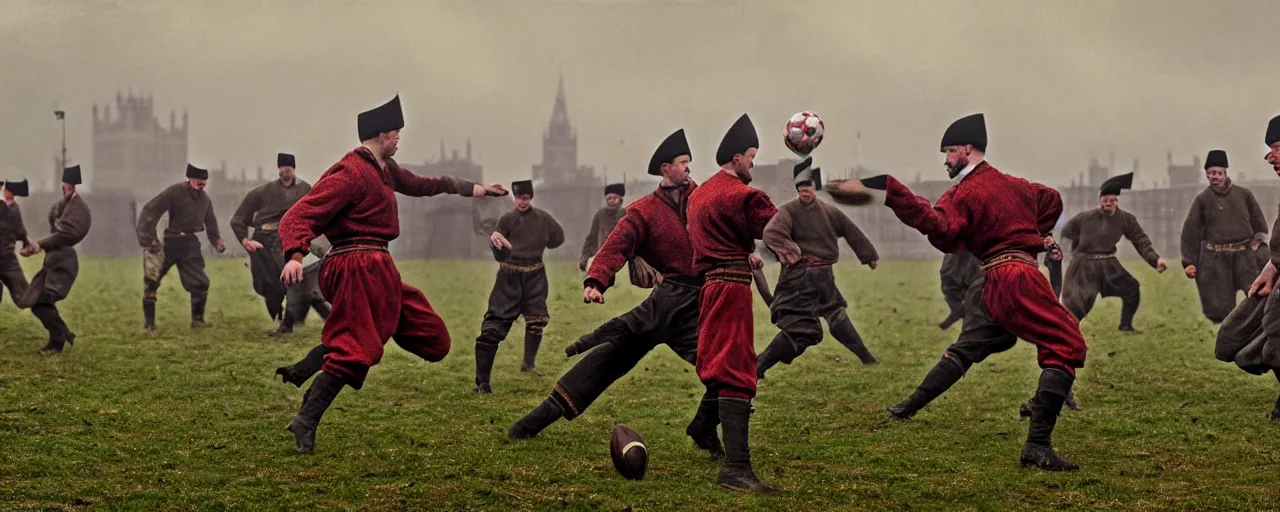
629,453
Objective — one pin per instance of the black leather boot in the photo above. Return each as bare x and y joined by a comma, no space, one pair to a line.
1128,308
538,419
197,312
48,316
703,427
317,401
485,353
940,378
737,474
844,332
531,343
298,373
775,353
1054,387
149,315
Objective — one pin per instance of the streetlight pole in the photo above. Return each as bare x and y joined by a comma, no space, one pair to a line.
62,116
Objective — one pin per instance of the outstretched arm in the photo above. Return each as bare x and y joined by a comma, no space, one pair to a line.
411,184
944,223
618,248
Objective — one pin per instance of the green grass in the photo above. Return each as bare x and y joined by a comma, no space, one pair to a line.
193,420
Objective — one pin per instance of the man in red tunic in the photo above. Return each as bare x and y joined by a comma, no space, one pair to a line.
354,206
1005,221
726,217
652,228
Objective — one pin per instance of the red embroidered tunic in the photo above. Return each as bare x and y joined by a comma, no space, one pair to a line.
986,213
654,229
726,217
355,199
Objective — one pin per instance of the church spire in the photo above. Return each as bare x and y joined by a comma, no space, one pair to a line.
560,113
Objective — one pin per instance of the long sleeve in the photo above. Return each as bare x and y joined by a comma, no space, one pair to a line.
19,228
70,228
1257,220
211,225
1134,232
150,217
411,184
312,214
618,248
857,240
1192,234
777,235
241,220
591,244
760,210
943,224
1072,231
506,224
555,233
1048,207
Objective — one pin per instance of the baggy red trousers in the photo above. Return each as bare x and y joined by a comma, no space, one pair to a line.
371,305
726,359
1018,298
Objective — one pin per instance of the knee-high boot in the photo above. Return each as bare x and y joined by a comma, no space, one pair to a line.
298,373
737,473
485,353
938,380
1054,387
844,332
318,399
703,427
531,343
538,419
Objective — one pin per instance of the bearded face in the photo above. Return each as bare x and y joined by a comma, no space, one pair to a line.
957,159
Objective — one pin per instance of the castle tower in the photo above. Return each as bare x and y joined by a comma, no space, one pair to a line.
133,152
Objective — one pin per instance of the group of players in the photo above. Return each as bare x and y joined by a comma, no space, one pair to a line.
694,245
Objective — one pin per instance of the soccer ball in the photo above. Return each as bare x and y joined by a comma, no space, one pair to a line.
803,133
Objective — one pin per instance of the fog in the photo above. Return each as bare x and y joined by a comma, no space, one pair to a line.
1058,81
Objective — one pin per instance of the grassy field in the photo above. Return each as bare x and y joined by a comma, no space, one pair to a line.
193,420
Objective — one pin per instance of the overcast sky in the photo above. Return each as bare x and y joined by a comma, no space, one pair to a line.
1059,81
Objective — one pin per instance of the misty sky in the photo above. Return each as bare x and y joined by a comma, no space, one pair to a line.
1059,81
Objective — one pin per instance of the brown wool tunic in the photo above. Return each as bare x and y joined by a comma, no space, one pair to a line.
69,222
1221,217
814,230
601,225
1095,232
190,212
530,232
265,205
12,230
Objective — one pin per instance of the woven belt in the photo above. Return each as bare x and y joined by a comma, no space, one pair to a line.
1228,247
1008,257
1106,256
520,268
337,251
731,275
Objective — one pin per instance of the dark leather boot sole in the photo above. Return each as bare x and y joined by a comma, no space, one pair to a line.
303,437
